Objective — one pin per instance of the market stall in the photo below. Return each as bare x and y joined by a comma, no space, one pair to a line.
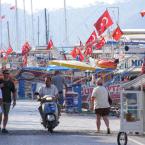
132,108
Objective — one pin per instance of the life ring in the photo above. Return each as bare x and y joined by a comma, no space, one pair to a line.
104,63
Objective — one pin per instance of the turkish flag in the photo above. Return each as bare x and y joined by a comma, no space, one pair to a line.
26,48
50,44
74,52
103,23
81,57
92,39
117,33
9,50
88,51
101,43
142,13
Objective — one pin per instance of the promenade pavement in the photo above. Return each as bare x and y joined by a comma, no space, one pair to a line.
74,129
25,116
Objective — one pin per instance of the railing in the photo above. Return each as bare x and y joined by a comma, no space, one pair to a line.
140,80
124,71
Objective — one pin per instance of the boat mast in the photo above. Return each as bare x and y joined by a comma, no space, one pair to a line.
24,19
45,11
17,27
65,21
33,44
38,31
9,42
48,20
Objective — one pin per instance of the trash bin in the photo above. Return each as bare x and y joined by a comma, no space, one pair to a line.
71,102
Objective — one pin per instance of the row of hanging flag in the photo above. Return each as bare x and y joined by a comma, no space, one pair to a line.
96,39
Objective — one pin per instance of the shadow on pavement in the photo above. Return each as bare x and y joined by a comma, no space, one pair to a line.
58,132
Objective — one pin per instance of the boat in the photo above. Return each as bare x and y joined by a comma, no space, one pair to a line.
106,63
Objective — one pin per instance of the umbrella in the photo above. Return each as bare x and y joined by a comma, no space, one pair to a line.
48,68
72,64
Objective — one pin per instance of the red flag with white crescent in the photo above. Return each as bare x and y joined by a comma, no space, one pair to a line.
91,40
103,23
77,52
117,33
101,43
88,51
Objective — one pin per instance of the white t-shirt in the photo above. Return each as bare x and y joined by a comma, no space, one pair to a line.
0,94
52,90
101,97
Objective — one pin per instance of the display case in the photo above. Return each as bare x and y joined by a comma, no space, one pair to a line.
132,111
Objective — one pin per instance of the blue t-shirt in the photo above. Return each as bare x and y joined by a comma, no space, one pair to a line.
58,81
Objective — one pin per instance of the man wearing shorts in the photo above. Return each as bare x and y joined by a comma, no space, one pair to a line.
7,88
99,102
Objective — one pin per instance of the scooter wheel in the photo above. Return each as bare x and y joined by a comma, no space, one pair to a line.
50,129
122,138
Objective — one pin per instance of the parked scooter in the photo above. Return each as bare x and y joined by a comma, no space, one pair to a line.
49,112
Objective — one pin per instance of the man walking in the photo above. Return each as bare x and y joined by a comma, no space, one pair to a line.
99,101
7,88
59,82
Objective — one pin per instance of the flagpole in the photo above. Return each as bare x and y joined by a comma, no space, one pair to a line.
116,22
1,24
24,19
17,27
33,43
117,12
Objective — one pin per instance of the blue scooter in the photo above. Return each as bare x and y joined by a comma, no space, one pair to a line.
49,112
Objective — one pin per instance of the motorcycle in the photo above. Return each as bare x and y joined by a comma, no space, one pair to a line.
49,112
